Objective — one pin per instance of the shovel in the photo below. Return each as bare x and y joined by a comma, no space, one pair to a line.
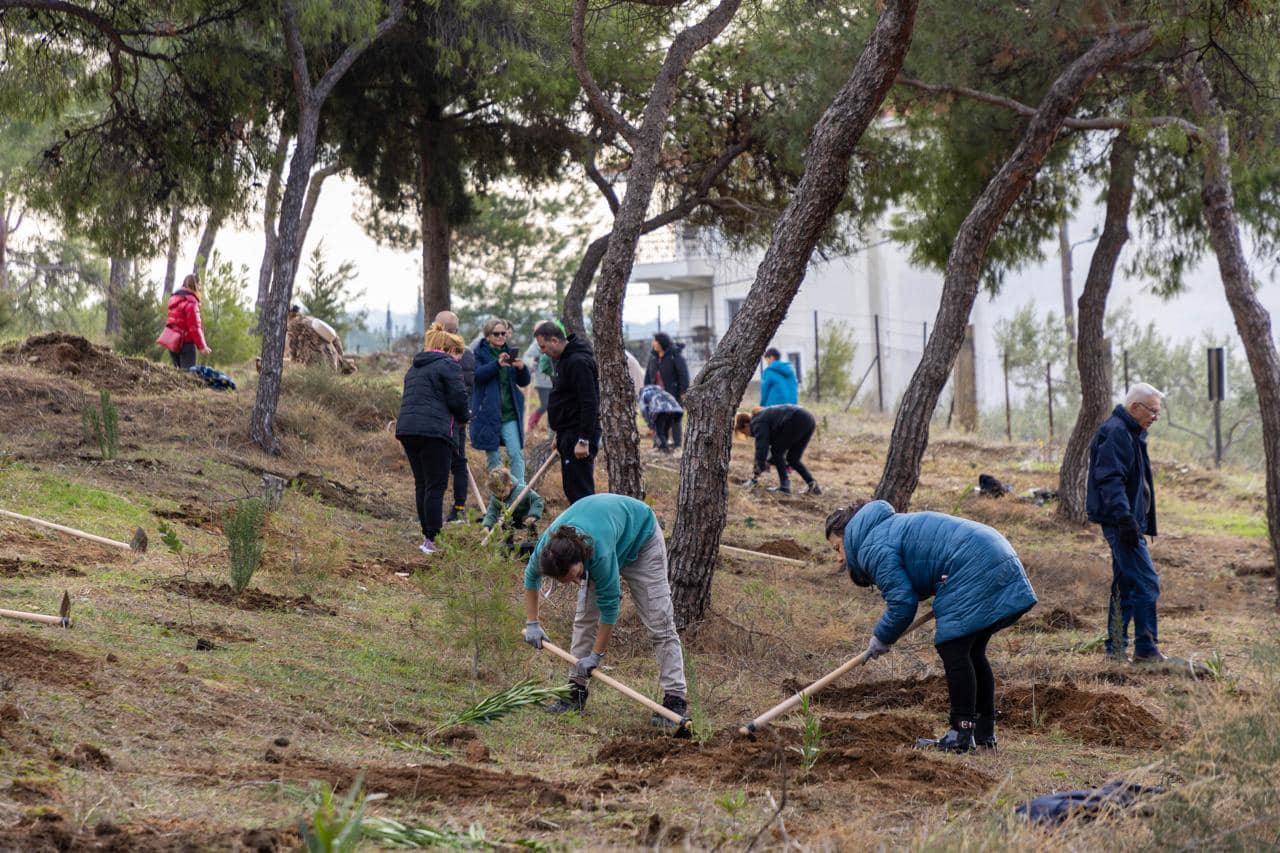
682,723
785,706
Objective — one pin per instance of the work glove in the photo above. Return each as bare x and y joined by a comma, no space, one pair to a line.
587,664
533,634
875,648
1128,532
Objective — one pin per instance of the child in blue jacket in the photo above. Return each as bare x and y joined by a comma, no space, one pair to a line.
977,584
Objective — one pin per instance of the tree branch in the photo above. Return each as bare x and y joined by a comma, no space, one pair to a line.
297,56
600,105
318,178
606,188
1102,123
395,13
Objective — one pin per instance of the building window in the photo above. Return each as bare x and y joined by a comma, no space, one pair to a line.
733,306
794,358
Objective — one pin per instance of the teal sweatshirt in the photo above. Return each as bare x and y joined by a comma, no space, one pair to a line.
617,527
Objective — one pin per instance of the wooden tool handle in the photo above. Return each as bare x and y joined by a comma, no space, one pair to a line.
61,621
617,685
760,555
786,705
528,487
475,489
69,530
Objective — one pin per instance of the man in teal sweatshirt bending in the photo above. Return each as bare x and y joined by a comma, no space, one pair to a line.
594,543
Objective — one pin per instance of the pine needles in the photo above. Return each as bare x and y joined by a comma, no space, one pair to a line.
243,527
498,705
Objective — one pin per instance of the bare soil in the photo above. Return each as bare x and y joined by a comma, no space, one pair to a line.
26,655
50,832
250,599
784,548
75,357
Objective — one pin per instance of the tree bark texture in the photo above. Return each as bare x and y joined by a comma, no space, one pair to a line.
718,388
617,400
270,211
1092,355
207,237
171,252
435,260
275,315
964,265
1068,285
1252,320
117,283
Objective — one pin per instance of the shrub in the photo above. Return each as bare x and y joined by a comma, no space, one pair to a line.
102,425
141,319
243,528
364,402
833,380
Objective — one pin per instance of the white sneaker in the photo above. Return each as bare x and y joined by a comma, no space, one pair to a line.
427,547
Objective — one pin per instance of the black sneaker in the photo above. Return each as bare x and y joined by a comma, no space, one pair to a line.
958,739
984,732
671,702
813,488
575,701
457,515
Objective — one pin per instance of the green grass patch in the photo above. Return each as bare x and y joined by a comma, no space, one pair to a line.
53,498
1202,517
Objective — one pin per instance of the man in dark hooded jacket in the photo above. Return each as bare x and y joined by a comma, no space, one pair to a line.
573,409
1121,498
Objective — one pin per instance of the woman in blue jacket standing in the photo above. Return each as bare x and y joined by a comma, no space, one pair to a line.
497,409
432,413
977,584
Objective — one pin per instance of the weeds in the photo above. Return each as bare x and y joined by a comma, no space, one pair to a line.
169,536
102,425
366,403
733,804
243,529
697,717
333,828
810,736
498,705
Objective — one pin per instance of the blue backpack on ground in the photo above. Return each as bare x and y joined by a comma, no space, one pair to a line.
215,379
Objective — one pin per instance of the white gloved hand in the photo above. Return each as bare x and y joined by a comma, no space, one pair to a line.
875,648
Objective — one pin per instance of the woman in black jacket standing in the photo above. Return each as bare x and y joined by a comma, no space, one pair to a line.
433,411
781,433
668,370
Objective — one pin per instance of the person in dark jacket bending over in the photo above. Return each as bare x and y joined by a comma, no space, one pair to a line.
598,541
573,411
978,587
1121,498
433,411
458,467
669,371
781,434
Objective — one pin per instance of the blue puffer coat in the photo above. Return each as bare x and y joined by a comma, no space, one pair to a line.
970,570
486,403
434,404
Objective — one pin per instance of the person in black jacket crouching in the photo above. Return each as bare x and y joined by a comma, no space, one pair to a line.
781,433
433,411
573,410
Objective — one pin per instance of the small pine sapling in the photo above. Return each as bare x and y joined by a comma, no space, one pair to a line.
810,736
102,425
243,528
174,545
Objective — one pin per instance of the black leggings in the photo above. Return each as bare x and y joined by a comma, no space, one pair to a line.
430,459
184,358
970,681
460,474
791,458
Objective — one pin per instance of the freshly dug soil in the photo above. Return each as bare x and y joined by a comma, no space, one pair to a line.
784,548
1055,620
343,497
1111,719
929,692
450,783
207,630
51,833
250,599
75,357
851,750
29,657
12,567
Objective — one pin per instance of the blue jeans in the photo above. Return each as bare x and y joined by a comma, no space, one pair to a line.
515,452
1134,590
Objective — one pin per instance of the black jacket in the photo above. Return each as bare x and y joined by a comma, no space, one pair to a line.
434,404
1120,484
672,368
574,404
776,429
468,365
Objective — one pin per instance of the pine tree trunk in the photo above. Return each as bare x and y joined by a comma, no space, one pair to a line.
117,283
435,261
964,265
1068,286
571,312
204,250
1252,320
270,212
1092,356
715,393
4,246
171,252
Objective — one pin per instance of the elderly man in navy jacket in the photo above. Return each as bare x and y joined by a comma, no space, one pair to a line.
1121,497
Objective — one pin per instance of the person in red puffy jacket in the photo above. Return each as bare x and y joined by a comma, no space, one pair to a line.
184,318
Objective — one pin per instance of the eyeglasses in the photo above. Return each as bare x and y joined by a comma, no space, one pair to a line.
1155,413
499,334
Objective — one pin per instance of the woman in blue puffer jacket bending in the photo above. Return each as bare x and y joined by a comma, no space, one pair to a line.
977,584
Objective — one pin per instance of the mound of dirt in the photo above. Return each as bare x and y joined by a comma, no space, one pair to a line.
85,756
1056,619
28,657
929,692
12,567
784,548
851,750
343,497
76,357
1111,719
52,833
250,599
449,783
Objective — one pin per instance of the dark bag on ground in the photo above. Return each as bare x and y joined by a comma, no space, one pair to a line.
1053,809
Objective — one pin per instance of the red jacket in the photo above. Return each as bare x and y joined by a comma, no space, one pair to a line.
184,315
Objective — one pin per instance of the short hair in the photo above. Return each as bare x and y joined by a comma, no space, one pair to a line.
838,520
664,341
493,323
564,546
742,424
448,321
549,329
772,352
500,481
1142,391
437,338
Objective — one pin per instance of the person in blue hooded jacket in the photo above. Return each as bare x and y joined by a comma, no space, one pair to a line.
977,584
497,407
778,383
